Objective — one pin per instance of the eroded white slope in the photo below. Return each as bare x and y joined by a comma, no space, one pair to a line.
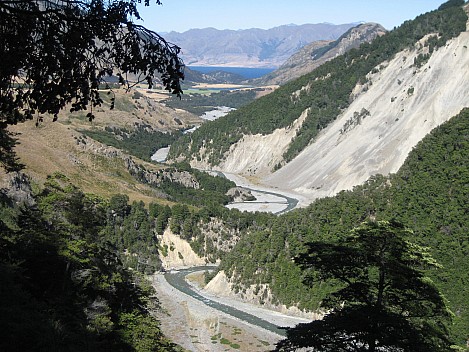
258,154
405,104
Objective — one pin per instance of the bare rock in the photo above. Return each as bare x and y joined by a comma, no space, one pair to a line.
17,187
239,194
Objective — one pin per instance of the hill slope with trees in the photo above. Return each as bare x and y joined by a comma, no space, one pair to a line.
317,53
428,195
323,94
64,285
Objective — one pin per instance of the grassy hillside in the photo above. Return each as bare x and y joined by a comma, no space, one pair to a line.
77,148
429,195
325,92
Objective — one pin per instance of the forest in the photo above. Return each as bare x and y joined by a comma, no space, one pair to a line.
93,249
142,142
428,194
64,282
200,103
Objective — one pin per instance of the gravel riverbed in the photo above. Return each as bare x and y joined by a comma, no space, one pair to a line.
198,327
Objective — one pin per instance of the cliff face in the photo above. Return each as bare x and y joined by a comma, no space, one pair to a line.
316,53
258,154
177,253
15,186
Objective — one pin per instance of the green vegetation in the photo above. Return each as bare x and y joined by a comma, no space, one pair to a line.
383,301
198,197
64,287
324,93
143,142
208,191
194,225
200,103
224,341
131,229
71,265
428,195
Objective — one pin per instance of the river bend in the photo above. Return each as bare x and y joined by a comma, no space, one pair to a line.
177,280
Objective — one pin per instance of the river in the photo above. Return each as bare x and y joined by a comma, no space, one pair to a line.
267,199
177,280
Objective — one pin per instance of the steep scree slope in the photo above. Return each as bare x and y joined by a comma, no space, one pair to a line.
402,104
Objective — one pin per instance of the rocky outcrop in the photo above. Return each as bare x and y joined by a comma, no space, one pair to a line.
239,194
176,253
155,178
260,295
17,188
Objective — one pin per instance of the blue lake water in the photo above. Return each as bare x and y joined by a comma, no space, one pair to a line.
246,72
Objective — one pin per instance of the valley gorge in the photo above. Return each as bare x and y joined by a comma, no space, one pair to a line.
239,237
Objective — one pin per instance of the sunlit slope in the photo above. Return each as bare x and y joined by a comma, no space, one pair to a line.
400,105
354,116
63,147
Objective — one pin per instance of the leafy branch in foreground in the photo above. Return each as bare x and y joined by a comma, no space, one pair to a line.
59,52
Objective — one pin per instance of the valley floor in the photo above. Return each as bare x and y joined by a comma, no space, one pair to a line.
198,327
273,200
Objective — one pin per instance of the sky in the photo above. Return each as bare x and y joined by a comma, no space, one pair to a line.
182,15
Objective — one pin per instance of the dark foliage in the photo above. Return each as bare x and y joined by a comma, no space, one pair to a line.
451,3
8,158
384,301
64,287
142,142
428,194
344,332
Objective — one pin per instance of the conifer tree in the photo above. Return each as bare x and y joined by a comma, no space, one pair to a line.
384,303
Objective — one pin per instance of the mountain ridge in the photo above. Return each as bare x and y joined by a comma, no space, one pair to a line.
253,47
316,53
411,64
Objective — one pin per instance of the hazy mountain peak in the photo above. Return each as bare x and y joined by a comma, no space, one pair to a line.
250,47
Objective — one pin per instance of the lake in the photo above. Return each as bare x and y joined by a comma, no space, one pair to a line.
246,72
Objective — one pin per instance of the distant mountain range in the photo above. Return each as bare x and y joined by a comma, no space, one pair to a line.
251,47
